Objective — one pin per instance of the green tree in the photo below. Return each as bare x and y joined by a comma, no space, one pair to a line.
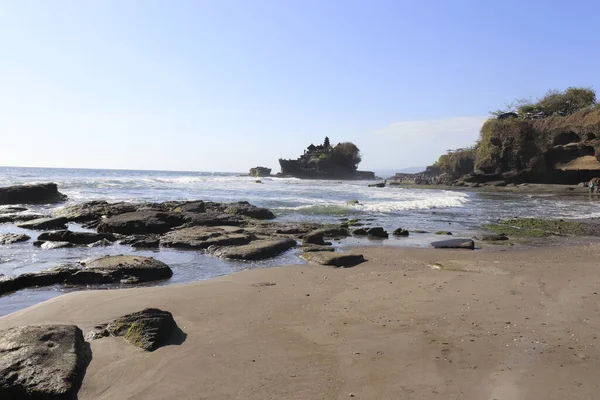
346,155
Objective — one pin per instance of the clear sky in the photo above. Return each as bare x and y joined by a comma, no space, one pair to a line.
226,85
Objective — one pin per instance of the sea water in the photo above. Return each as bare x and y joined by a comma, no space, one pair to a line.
294,200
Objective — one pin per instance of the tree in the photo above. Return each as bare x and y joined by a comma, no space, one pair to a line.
326,143
346,155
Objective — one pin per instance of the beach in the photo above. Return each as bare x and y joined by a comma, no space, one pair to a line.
407,324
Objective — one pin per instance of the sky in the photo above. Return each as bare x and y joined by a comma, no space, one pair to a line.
226,85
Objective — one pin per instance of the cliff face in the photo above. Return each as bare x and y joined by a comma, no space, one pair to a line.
326,162
555,149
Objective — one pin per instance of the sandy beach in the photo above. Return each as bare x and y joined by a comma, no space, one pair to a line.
407,324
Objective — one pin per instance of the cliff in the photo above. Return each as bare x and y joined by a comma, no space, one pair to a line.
326,162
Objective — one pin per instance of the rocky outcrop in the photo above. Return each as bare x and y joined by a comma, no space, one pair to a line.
400,232
198,237
141,222
109,269
248,210
148,329
45,223
19,216
377,232
10,238
257,250
260,172
343,260
42,193
42,362
82,238
454,244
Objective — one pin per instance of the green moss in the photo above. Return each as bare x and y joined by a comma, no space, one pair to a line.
532,227
135,335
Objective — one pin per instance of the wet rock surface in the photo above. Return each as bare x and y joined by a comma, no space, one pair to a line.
400,232
75,237
42,362
377,232
42,193
10,238
148,329
454,244
45,223
257,250
203,237
334,259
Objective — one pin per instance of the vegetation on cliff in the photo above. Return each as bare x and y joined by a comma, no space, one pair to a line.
559,132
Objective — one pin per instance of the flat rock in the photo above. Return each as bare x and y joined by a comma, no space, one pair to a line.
334,259
111,269
313,247
257,250
10,238
212,219
94,210
42,362
454,244
494,238
76,237
45,223
35,279
42,193
190,206
141,222
248,210
148,329
19,216
198,237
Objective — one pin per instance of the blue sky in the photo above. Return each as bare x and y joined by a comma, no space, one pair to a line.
226,85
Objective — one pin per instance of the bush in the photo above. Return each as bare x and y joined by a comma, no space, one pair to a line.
455,163
346,155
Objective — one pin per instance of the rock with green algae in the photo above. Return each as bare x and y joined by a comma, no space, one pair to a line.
534,227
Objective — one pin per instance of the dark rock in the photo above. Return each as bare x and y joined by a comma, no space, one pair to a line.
101,243
377,185
360,232
258,250
202,238
454,244
141,222
112,269
494,238
400,232
334,259
260,171
292,231
313,247
145,243
42,278
45,223
11,209
212,219
42,362
42,193
94,210
191,206
377,232
315,237
248,210
76,237
9,238
148,329
443,233
20,216
332,232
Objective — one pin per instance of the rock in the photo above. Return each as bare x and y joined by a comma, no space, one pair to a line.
334,259
141,222
260,171
315,237
377,185
42,193
42,278
212,219
111,269
248,210
202,238
353,202
45,223
145,243
19,216
419,231
10,238
16,209
377,232
332,232
494,238
94,210
52,245
191,206
400,232
100,243
360,232
454,244
76,237
292,231
42,362
148,329
257,250
313,247
443,233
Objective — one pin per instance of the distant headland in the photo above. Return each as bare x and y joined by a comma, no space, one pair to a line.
325,161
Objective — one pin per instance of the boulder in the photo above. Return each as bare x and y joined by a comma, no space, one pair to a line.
332,232
112,269
10,238
42,362
315,237
334,259
400,232
377,232
148,329
76,237
258,250
248,210
45,223
360,232
454,244
198,237
141,222
260,171
42,193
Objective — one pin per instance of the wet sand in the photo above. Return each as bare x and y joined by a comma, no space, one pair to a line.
501,323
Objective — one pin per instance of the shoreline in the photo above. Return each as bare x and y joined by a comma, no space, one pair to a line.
407,323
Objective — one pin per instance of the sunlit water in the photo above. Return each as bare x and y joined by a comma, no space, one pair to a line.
291,200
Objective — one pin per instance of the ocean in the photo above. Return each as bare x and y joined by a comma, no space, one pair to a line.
461,212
